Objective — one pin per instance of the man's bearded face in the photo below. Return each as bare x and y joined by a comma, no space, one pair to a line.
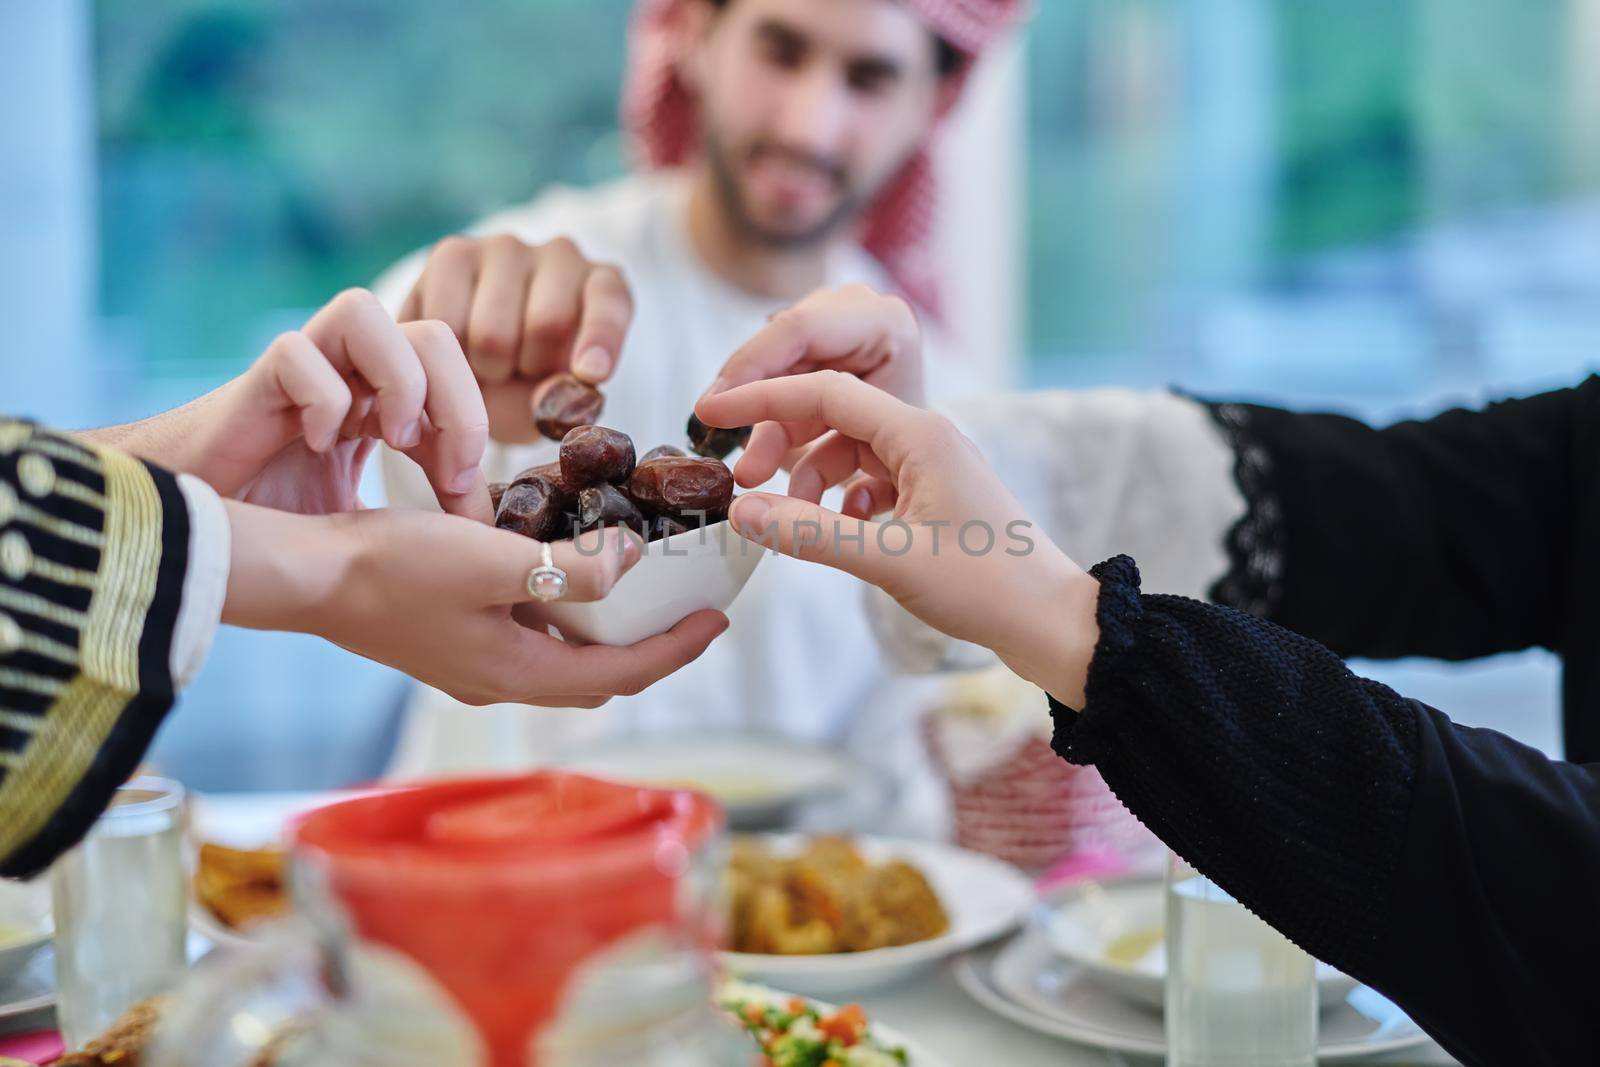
810,107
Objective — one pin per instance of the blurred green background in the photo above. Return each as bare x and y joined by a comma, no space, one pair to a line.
257,155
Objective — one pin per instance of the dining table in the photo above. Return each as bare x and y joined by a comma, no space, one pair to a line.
934,1011
929,1008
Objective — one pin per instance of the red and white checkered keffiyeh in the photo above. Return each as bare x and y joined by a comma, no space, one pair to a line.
658,113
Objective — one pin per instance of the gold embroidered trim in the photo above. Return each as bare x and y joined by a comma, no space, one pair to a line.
35,474
129,564
49,649
62,750
29,682
62,574
62,528
61,448
81,493
34,604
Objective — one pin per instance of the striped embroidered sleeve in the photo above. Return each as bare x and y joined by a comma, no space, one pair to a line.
94,549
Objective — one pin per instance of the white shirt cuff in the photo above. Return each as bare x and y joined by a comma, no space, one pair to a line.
205,585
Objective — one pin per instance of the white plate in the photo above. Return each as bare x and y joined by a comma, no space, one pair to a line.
255,820
983,896
916,1055
1082,921
759,782
23,906
213,929
245,820
1024,980
32,988
676,577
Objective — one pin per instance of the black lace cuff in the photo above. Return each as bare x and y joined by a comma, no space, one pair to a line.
1254,579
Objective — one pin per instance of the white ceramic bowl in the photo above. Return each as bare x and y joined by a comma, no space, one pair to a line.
1095,924
25,925
677,576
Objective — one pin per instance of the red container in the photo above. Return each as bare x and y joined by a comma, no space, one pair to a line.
505,889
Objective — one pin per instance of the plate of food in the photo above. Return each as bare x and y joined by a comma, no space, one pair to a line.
760,782
835,915
235,889
793,1031
1116,932
239,848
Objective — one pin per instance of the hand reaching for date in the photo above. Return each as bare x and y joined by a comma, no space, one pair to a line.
957,550
523,314
854,329
294,431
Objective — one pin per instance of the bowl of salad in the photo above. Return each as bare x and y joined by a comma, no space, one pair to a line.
793,1031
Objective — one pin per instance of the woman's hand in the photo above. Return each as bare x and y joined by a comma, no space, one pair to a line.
294,431
957,550
523,313
853,329
432,595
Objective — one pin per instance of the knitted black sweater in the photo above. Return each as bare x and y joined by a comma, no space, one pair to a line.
1455,870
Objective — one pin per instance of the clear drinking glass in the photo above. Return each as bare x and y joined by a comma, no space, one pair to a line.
120,903
295,997
1239,994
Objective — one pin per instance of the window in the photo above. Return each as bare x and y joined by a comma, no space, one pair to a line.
256,157
1312,176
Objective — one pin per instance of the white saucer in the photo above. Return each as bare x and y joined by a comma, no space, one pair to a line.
1082,922
1024,980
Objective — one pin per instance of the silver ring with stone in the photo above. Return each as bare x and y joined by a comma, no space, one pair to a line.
547,582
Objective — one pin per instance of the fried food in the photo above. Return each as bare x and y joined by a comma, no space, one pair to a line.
124,1043
827,899
241,886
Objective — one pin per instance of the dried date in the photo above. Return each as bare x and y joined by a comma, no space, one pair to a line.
550,474
594,454
605,505
681,487
532,509
715,442
563,404
663,452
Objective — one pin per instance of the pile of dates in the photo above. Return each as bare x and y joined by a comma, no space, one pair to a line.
598,482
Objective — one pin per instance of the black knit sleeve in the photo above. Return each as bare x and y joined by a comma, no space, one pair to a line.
1446,537
1441,865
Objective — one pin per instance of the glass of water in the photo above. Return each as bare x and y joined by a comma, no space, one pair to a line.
1239,994
120,901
